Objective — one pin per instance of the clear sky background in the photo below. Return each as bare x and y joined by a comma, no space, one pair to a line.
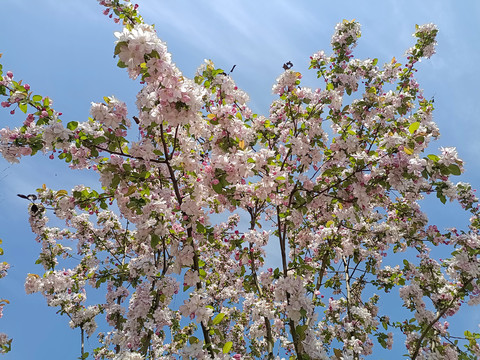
64,50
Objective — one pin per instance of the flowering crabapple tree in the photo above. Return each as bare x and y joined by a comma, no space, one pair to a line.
333,176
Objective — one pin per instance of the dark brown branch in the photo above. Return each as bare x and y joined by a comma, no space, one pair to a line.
440,314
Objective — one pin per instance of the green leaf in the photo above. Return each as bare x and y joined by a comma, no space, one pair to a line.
338,353
218,318
115,181
193,340
434,158
200,228
154,241
413,127
218,188
23,107
72,125
118,47
99,140
330,86
301,331
227,347
375,61
131,190
37,98
454,169
154,54
223,181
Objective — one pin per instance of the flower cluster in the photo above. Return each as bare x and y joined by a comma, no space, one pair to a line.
110,115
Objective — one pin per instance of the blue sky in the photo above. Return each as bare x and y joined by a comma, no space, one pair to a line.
64,50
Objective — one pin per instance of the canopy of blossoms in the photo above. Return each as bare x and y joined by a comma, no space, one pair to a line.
332,176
